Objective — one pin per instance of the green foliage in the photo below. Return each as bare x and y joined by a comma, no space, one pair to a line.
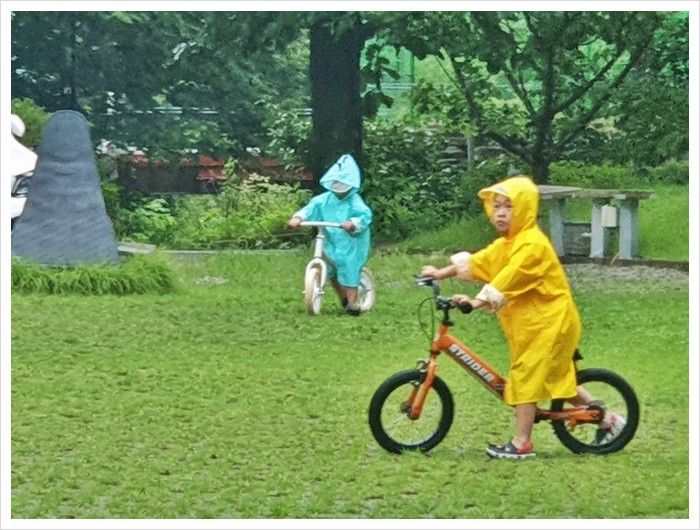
670,172
250,213
152,222
34,118
166,82
594,176
441,104
134,275
532,81
287,133
414,191
608,175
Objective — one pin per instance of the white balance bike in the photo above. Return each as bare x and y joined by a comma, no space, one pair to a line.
317,273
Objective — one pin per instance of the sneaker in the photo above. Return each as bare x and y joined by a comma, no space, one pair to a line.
510,451
352,309
605,435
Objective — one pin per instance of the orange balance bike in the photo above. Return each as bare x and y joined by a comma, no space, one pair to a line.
414,409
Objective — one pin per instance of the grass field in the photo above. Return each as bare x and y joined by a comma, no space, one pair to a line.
226,400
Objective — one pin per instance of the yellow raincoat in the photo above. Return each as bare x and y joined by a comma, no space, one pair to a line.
526,284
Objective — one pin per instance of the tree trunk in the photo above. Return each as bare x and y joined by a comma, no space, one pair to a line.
336,113
540,169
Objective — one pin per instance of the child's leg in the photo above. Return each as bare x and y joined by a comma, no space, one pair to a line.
524,420
349,279
340,291
351,293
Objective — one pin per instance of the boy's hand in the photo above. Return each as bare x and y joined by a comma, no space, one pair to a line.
294,222
429,270
461,298
348,226
475,302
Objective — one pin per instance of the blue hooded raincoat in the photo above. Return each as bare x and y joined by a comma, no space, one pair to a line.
348,252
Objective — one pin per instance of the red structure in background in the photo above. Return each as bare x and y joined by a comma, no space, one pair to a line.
204,174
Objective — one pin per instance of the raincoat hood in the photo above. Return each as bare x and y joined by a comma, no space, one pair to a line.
524,196
342,176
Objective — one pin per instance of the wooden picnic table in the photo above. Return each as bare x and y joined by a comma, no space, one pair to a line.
603,217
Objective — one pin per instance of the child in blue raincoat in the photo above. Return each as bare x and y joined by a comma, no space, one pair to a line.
347,250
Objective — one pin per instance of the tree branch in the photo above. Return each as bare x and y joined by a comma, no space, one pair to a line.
582,89
519,88
464,85
607,93
512,145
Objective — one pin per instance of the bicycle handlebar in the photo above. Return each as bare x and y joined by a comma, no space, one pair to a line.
324,224
443,302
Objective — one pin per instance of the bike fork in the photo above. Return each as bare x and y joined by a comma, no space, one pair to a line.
420,392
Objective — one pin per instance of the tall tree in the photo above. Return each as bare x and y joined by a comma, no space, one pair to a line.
533,81
336,41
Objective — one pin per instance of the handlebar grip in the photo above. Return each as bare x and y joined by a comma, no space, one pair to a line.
427,281
466,307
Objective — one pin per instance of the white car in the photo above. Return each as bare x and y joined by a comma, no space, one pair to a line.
22,164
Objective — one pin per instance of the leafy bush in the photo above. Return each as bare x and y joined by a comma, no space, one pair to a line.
670,172
594,176
152,222
407,183
287,133
247,214
134,275
34,118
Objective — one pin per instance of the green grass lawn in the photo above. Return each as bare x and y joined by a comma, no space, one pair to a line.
226,400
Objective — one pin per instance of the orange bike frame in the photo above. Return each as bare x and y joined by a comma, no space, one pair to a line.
490,378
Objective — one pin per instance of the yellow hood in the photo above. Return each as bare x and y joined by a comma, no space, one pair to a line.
524,195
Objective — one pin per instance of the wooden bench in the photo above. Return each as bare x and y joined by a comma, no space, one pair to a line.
603,217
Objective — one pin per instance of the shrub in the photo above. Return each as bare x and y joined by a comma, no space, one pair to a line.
594,176
407,183
670,172
152,221
34,118
133,275
247,214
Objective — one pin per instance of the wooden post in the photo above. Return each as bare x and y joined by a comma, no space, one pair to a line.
598,239
629,236
556,225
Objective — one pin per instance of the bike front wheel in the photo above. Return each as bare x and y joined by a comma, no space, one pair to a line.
615,397
389,409
313,290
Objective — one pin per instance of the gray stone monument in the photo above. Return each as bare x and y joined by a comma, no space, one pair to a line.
64,220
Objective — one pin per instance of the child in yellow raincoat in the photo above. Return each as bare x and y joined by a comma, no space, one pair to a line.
527,287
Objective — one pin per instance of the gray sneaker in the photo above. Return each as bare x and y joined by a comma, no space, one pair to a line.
352,309
605,435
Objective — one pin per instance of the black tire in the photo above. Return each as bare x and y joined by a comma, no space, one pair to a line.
615,395
404,434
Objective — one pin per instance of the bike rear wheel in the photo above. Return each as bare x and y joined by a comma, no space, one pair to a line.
389,408
313,290
366,294
612,394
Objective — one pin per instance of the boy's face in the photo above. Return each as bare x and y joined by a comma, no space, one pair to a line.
502,213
